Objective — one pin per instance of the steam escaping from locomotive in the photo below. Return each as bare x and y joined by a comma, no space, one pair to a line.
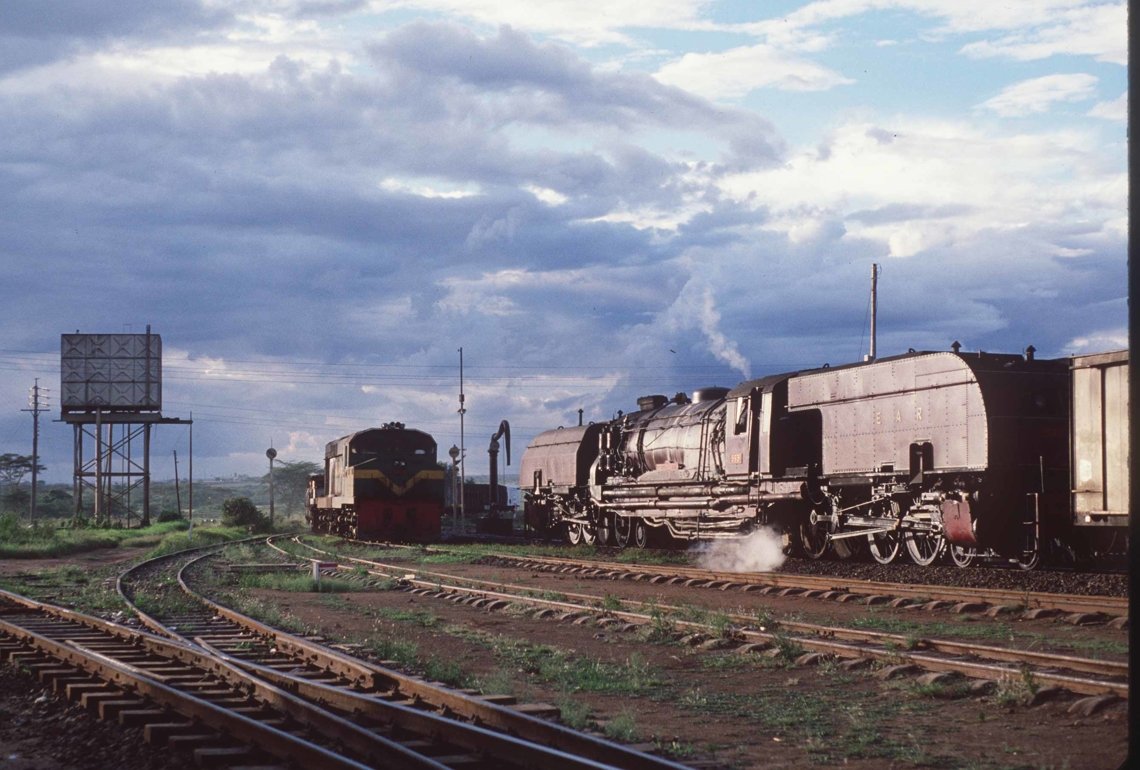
761,551
720,346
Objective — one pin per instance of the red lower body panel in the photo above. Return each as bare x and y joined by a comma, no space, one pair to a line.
399,519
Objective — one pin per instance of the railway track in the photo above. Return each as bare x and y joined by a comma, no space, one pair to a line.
454,728
1035,603
183,696
1102,680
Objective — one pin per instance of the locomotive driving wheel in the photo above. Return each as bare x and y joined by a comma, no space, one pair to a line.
573,532
924,547
884,546
815,528
589,533
623,530
605,528
813,539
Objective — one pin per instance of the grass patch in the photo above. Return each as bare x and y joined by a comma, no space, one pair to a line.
422,618
49,541
662,629
87,590
270,613
831,730
998,633
574,713
400,651
296,583
1017,690
726,662
787,649
201,536
611,603
565,671
622,727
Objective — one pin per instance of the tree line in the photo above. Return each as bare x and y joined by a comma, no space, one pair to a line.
168,500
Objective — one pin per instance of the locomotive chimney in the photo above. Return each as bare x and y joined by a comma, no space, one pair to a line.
956,346
1029,351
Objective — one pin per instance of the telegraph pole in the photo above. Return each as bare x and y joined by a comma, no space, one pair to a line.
177,489
462,446
35,407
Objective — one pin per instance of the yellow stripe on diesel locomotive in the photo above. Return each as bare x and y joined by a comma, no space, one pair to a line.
433,474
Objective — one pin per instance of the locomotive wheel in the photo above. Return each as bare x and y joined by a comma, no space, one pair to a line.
623,530
813,540
589,534
574,533
606,534
640,533
1030,560
924,547
884,546
846,548
1031,552
962,555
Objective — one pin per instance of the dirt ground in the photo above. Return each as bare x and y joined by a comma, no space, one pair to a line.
742,711
703,706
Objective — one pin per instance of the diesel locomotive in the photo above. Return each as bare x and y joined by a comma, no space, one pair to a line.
379,484
931,453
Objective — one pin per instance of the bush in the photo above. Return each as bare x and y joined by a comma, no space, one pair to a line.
169,514
241,512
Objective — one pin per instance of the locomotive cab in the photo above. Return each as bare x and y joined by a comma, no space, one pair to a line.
763,438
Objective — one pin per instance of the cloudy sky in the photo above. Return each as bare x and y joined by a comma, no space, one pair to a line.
317,203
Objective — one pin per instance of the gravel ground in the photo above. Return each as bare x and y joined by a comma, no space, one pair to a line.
42,731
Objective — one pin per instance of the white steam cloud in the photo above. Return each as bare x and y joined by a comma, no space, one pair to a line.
761,551
721,347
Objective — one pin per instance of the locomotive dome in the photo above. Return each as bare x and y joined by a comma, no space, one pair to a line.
709,394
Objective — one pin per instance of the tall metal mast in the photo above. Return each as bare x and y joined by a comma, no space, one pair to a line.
35,406
874,306
462,446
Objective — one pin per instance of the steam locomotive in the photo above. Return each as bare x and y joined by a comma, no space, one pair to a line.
939,452
379,484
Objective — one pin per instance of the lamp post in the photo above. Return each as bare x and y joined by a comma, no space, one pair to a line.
454,454
271,453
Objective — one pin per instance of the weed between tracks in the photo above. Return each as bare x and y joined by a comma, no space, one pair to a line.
298,583
993,632
91,591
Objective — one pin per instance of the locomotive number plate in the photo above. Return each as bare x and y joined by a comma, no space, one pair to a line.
736,458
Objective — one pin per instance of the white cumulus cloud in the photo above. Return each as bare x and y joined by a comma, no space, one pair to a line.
1040,94
736,72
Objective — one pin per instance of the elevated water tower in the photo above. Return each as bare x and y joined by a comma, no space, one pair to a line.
111,393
